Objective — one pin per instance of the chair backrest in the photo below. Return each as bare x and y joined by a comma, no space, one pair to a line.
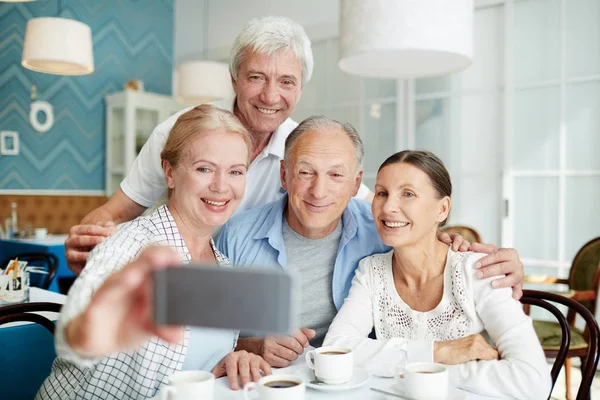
21,312
559,361
588,370
27,351
467,232
48,260
585,271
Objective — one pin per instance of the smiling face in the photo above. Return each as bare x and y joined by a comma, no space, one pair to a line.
209,181
407,208
267,90
321,177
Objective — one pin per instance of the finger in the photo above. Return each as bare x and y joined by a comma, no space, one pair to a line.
483,248
76,257
76,268
276,361
498,269
455,245
106,224
231,368
171,334
494,257
244,369
444,237
255,365
309,333
465,246
290,343
85,242
517,291
91,230
302,336
265,367
159,257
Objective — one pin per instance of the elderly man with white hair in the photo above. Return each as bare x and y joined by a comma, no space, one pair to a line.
271,61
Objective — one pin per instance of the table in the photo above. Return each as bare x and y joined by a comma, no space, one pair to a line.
27,351
54,244
222,391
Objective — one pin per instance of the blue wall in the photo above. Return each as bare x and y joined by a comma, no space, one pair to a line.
132,40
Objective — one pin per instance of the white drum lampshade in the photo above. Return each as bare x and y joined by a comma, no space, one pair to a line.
203,82
405,38
58,46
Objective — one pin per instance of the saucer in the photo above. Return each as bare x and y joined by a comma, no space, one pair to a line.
360,376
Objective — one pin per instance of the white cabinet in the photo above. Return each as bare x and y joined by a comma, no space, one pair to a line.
131,116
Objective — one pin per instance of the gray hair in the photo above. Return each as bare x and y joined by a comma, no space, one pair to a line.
269,35
319,121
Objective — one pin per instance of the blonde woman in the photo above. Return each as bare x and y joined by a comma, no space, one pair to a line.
106,342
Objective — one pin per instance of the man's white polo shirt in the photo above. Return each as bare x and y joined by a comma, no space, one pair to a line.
145,183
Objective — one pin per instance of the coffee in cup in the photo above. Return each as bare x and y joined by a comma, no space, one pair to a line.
277,387
332,365
427,381
189,385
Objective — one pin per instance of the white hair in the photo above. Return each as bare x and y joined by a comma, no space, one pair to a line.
268,35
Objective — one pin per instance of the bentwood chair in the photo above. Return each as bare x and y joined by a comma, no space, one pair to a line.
565,339
589,355
27,350
48,261
466,232
583,284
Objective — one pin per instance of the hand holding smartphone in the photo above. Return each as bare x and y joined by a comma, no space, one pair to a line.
258,300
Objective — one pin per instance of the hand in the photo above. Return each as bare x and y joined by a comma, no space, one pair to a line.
500,261
459,351
82,239
457,241
119,315
280,351
246,366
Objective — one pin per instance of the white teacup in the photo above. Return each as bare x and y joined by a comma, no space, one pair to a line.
277,387
189,385
425,381
332,365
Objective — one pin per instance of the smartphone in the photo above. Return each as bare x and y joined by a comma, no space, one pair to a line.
245,299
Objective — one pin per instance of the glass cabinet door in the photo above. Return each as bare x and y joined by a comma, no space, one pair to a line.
145,122
116,156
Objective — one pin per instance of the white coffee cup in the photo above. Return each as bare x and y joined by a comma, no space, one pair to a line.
189,385
425,381
332,365
277,387
41,233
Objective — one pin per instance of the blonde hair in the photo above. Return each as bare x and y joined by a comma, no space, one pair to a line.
196,121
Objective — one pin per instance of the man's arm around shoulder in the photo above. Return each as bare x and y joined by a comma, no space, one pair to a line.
98,225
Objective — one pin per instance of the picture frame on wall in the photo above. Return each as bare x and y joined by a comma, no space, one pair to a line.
9,143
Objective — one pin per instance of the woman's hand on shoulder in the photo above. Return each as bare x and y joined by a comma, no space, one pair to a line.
241,366
459,351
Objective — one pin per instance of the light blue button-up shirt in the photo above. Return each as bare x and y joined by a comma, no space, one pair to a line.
254,238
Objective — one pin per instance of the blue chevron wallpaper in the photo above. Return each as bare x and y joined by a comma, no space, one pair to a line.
133,39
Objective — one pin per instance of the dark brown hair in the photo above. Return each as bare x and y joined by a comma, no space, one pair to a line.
429,163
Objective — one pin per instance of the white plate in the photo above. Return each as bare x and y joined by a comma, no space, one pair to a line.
359,378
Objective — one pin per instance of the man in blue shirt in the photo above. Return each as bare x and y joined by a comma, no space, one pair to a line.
319,231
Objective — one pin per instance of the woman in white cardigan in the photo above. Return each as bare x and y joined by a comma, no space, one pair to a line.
425,301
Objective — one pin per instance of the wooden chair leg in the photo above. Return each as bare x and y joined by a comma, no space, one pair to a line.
568,378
